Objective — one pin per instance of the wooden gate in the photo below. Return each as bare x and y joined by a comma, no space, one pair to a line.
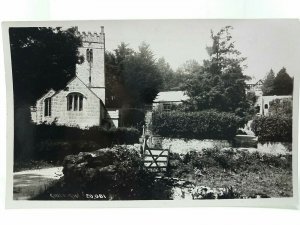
155,159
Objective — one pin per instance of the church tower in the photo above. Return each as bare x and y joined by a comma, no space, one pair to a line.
91,71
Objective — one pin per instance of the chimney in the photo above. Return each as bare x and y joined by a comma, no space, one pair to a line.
102,29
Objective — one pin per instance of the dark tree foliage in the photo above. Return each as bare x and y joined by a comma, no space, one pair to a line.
186,72
42,58
116,93
268,84
283,83
142,78
168,76
133,78
221,85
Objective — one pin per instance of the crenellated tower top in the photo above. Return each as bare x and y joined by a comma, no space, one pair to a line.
92,37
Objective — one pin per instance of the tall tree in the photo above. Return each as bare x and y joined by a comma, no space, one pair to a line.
268,83
283,83
167,74
187,71
221,85
116,93
134,77
142,77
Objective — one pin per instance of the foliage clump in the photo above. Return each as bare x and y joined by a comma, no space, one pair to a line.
208,124
273,128
52,143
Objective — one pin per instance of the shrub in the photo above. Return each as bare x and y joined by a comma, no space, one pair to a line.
198,125
273,128
281,107
228,159
116,172
53,142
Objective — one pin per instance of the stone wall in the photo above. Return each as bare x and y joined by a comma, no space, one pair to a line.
37,111
89,116
95,68
182,146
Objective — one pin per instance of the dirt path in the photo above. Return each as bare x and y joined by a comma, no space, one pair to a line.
29,183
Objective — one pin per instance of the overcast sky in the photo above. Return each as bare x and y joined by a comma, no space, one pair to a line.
266,43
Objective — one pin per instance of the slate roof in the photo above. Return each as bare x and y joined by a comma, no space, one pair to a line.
171,96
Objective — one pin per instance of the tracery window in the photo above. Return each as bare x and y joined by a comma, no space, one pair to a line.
74,102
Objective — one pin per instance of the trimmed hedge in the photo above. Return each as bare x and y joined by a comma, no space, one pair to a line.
197,125
53,142
273,128
100,135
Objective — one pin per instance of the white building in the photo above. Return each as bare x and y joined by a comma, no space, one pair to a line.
166,99
263,103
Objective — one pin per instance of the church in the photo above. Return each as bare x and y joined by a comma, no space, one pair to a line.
82,102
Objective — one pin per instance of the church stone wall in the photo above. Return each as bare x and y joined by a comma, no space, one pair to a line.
89,82
37,112
94,69
89,116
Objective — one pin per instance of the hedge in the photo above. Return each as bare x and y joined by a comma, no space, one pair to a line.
53,142
196,125
273,128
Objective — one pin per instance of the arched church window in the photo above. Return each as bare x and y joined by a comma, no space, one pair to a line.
47,107
74,102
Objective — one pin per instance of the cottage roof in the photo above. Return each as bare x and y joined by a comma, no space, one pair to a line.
171,96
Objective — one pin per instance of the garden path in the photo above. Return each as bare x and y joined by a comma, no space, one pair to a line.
29,183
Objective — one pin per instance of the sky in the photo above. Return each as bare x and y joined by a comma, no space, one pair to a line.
265,43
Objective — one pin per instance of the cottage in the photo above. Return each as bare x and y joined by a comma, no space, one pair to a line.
82,102
166,99
255,87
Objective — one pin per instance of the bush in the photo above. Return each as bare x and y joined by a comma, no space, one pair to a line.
117,173
281,107
53,142
273,128
196,125
228,159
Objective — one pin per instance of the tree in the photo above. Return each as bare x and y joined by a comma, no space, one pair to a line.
221,85
187,71
283,83
142,77
167,74
116,93
268,83
134,78
42,58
